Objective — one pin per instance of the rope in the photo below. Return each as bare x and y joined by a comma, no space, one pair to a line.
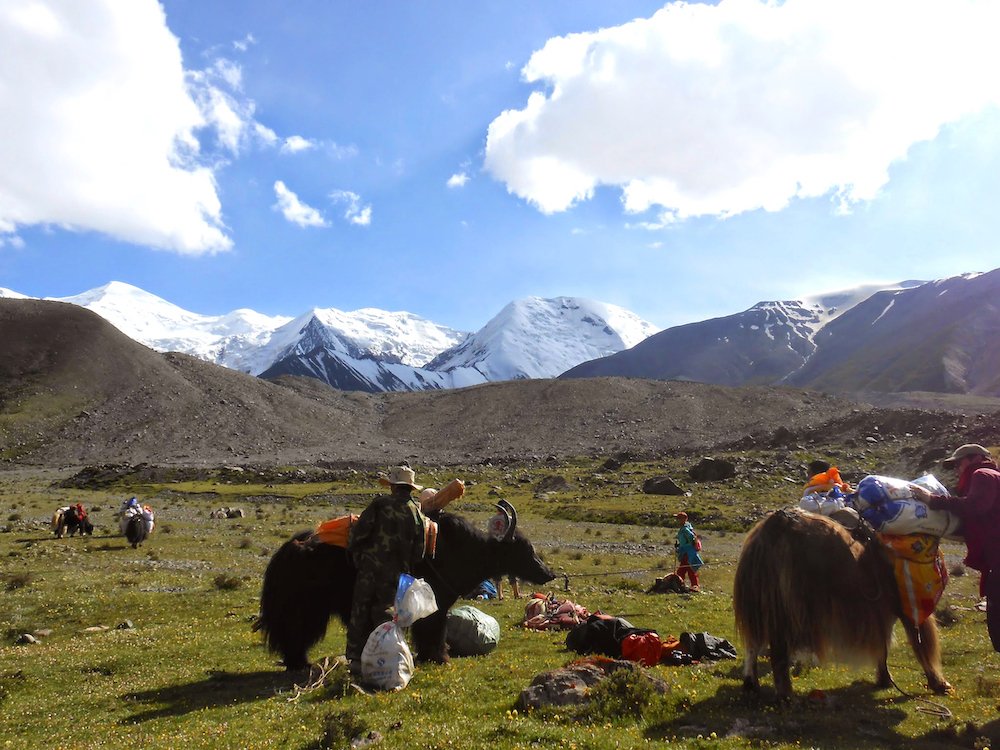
932,708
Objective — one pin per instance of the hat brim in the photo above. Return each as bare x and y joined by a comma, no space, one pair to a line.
949,463
386,483
417,487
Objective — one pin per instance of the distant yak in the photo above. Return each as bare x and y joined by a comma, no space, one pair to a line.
71,519
308,581
804,584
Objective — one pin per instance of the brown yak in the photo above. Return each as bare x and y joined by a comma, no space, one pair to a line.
805,584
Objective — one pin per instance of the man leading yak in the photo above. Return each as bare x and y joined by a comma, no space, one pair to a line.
386,540
977,503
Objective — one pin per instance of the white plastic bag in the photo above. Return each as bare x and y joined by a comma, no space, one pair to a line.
930,483
386,661
414,600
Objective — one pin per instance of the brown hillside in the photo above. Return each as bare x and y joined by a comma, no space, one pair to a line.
74,390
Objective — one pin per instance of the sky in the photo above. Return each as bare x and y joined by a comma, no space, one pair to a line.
682,160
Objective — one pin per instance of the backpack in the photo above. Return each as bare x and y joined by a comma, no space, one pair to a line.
697,543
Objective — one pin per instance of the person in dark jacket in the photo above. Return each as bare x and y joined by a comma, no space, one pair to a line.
386,540
977,504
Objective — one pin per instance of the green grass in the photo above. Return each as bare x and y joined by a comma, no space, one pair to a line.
191,674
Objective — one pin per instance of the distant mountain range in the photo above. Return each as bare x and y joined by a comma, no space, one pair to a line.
374,350
941,336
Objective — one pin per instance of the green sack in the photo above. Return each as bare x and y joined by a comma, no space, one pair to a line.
471,632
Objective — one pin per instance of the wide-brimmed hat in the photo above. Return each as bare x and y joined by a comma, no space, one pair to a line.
969,449
403,475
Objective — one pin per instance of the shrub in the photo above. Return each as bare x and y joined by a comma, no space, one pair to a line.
226,582
14,581
340,728
626,693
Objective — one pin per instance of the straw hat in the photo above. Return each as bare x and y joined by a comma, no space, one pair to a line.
403,475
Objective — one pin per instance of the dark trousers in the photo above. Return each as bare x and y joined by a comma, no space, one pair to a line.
989,586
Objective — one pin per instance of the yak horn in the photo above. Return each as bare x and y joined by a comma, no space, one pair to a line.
508,510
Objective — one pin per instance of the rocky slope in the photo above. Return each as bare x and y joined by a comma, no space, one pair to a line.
74,390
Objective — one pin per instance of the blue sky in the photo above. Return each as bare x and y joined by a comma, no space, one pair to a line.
683,161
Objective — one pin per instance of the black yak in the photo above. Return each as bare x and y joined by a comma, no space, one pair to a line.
70,520
307,582
805,584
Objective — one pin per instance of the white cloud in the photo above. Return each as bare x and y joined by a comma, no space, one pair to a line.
295,210
244,44
11,240
98,127
458,180
295,143
717,110
356,213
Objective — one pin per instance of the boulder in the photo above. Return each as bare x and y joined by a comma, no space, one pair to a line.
712,469
661,486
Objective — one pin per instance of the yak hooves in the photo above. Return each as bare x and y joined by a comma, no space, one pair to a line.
941,688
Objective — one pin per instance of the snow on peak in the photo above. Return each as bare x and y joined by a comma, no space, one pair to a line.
229,339
11,294
399,337
542,338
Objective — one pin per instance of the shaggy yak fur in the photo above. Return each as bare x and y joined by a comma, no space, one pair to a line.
67,521
804,584
307,582
136,530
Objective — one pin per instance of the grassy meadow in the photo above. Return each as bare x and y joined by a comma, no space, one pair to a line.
190,674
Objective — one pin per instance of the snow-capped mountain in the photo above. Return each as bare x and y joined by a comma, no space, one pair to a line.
375,350
763,344
233,340
573,330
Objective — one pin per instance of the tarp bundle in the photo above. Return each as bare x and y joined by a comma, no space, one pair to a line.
921,575
336,531
472,632
889,506
432,500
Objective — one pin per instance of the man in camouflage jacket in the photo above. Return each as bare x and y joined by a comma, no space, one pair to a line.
388,539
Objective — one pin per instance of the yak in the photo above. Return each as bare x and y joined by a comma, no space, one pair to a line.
71,519
806,584
308,581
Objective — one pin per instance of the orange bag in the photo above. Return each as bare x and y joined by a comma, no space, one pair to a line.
826,481
337,530
451,491
645,648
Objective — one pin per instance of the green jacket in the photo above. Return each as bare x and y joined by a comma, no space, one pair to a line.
390,532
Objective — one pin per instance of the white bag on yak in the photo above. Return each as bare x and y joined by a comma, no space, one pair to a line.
414,600
386,661
889,506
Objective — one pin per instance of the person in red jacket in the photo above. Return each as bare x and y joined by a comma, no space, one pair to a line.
977,504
